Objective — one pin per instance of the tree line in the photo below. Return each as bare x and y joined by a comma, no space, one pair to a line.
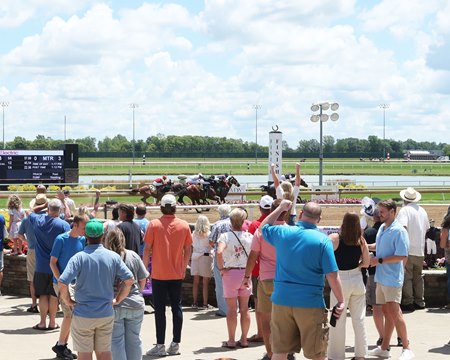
161,143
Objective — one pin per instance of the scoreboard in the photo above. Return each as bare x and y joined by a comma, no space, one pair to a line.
32,166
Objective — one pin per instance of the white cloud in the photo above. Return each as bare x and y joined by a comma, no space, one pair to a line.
201,73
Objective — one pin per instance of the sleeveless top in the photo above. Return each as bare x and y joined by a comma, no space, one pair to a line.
347,256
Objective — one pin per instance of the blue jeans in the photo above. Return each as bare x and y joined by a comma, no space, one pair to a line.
162,289
448,281
221,302
126,340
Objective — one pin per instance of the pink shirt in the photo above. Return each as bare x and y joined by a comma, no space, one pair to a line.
267,255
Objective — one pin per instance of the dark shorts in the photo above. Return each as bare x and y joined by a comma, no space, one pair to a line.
43,284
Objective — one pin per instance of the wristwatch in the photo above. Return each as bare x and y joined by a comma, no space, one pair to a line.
380,260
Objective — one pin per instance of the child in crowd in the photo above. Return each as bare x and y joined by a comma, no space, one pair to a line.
16,214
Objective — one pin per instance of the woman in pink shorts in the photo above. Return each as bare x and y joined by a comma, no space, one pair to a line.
232,253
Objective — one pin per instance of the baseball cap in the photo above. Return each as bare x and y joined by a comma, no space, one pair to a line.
168,199
94,229
266,202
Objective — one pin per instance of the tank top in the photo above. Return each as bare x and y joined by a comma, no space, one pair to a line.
347,256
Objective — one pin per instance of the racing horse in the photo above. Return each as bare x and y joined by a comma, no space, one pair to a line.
270,189
223,186
147,191
198,195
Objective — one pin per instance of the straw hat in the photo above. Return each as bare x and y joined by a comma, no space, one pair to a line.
410,195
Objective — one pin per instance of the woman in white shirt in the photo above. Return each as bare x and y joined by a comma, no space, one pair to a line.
201,260
232,254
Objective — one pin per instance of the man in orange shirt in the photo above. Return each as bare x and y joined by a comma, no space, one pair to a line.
168,240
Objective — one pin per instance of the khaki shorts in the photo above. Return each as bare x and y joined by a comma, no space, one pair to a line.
265,290
65,309
387,294
92,334
31,264
295,328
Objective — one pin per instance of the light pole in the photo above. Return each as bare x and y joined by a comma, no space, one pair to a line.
4,104
256,107
384,107
133,106
321,117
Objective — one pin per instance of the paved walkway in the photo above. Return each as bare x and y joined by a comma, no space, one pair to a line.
203,333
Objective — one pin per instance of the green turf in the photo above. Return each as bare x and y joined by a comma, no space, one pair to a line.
177,166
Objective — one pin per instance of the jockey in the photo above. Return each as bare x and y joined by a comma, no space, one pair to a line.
161,181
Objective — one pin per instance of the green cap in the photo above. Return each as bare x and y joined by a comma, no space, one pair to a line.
94,229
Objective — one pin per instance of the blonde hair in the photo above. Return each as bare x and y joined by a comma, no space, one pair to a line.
115,241
202,226
237,218
288,190
14,202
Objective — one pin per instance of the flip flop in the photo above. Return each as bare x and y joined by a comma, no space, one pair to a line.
37,327
255,338
53,328
227,346
238,343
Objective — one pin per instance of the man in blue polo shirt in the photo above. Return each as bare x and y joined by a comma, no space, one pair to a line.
65,246
392,245
46,228
304,256
95,270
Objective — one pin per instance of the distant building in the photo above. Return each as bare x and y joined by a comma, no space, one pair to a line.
422,154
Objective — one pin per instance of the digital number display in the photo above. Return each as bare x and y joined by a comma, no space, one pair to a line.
31,165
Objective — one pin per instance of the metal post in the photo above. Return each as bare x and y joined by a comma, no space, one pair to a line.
65,129
133,106
384,107
256,107
3,105
321,148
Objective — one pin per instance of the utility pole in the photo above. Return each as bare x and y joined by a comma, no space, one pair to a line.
256,107
133,106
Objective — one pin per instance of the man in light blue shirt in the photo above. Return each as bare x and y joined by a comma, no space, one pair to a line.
392,250
304,257
95,270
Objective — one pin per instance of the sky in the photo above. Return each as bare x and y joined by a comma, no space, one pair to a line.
200,67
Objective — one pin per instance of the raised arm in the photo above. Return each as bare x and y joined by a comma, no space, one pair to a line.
298,177
276,181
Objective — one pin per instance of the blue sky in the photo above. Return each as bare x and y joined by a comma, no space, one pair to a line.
198,67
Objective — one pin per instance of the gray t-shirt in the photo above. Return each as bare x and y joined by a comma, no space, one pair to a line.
134,300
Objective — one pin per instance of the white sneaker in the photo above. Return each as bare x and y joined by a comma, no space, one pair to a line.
378,351
158,350
173,349
407,354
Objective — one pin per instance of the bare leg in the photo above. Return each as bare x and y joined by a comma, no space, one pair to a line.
65,330
388,325
378,319
265,324
104,355
231,320
259,330
195,289
244,317
43,309
32,293
205,290
399,322
85,356
52,309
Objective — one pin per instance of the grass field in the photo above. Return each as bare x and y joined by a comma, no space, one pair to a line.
122,166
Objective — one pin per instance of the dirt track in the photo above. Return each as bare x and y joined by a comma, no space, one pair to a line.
331,215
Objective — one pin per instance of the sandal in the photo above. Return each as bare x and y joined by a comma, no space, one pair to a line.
37,327
240,344
226,345
255,339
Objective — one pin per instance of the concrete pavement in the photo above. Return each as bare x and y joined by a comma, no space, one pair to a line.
203,332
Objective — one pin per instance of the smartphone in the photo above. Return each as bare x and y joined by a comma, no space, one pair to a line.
333,317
